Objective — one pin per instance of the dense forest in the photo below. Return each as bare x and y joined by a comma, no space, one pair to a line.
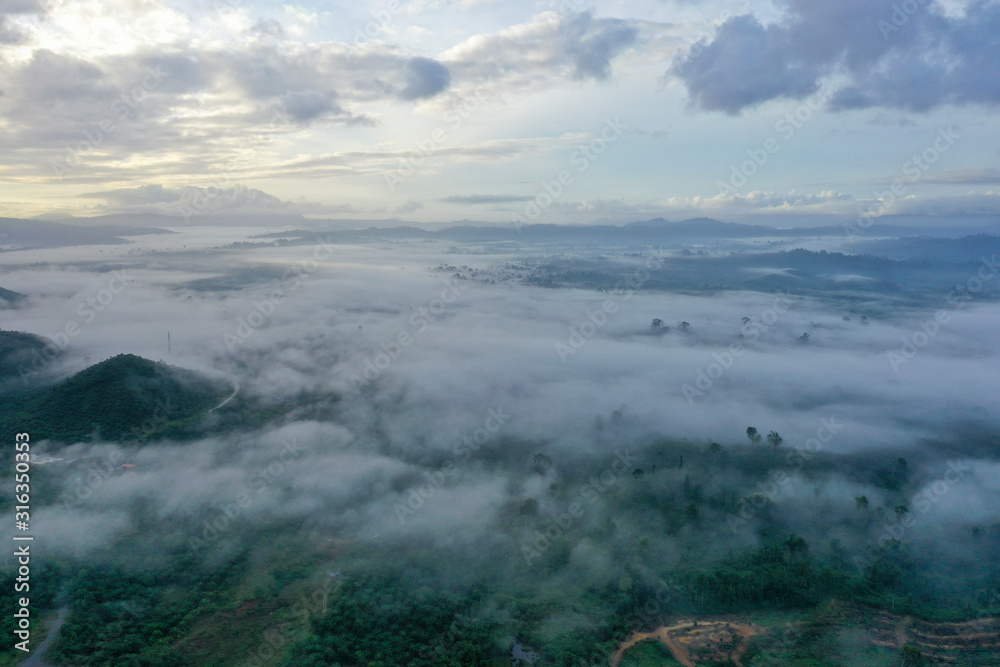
125,397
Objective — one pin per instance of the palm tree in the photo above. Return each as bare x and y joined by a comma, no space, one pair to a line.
774,439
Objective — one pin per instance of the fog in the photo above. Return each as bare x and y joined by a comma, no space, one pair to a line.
412,400
492,347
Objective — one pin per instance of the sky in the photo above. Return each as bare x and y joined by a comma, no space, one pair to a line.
555,111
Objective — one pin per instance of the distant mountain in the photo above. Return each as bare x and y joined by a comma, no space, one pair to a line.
23,353
644,232
9,298
965,249
45,234
123,398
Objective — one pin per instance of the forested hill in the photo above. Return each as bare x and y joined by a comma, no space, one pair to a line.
126,397
22,352
9,298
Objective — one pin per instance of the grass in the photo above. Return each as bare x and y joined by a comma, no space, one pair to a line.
649,654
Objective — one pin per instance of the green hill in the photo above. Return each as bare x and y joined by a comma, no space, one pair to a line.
7,297
23,353
123,398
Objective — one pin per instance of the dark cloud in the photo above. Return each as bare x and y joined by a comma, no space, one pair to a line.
309,105
53,79
912,60
592,51
745,65
22,7
268,28
425,78
10,33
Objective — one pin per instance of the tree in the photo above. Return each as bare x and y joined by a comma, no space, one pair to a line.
861,503
901,511
715,448
774,439
657,324
685,326
541,463
804,338
912,656
753,435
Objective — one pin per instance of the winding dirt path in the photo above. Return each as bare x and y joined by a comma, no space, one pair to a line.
678,648
236,390
662,635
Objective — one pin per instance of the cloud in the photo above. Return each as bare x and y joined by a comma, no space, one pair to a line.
547,48
968,176
304,106
745,65
889,58
204,104
986,203
410,206
475,200
203,201
425,78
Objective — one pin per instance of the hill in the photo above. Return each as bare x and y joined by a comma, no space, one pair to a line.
123,398
22,353
22,234
9,298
